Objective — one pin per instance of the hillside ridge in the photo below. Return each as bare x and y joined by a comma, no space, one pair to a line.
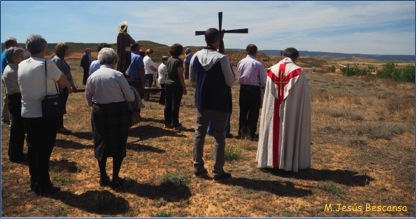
158,48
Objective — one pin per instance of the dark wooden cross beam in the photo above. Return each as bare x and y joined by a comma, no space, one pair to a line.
221,49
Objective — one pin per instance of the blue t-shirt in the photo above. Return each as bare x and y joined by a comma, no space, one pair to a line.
3,61
94,66
188,57
136,62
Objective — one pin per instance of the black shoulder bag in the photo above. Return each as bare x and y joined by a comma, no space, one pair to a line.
53,106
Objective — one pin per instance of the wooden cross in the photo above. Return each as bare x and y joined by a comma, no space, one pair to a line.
221,49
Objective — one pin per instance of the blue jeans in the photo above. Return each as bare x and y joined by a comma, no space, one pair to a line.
173,98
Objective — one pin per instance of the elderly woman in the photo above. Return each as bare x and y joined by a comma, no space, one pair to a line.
174,88
14,56
41,131
107,91
61,51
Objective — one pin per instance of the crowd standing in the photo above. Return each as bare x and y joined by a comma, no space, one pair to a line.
117,79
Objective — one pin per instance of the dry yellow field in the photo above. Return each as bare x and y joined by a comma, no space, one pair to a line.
363,162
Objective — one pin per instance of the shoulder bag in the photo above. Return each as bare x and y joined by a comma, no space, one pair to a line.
53,106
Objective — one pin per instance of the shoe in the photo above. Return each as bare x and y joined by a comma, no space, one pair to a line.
229,136
22,159
34,187
117,183
222,177
201,174
179,128
48,190
64,131
6,121
104,181
168,126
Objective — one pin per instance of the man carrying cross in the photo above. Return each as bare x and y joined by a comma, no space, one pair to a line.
213,78
285,129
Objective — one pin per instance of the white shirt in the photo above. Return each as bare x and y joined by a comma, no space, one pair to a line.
31,79
147,61
9,79
162,73
107,85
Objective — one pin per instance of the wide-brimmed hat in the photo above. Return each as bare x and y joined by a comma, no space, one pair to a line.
122,26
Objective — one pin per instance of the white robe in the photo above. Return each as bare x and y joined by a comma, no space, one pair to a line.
285,129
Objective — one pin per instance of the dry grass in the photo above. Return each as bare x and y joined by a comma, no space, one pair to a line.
363,152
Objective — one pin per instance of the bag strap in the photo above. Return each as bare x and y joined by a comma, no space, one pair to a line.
46,75
46,85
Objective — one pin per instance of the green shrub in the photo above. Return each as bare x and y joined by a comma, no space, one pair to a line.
174,178
332,188
387,70
381,130
161,202
405,74
162,213
332,69
355,71
232,154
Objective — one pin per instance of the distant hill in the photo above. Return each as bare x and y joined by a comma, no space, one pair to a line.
161,49
347,55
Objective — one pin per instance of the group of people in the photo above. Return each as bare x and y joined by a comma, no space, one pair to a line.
118,78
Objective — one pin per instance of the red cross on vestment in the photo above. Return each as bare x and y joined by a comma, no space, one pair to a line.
281,81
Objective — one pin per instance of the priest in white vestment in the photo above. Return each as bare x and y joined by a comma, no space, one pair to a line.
285,129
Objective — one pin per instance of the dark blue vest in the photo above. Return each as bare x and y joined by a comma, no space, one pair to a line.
212,92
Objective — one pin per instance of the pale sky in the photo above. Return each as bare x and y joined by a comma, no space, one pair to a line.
365,27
